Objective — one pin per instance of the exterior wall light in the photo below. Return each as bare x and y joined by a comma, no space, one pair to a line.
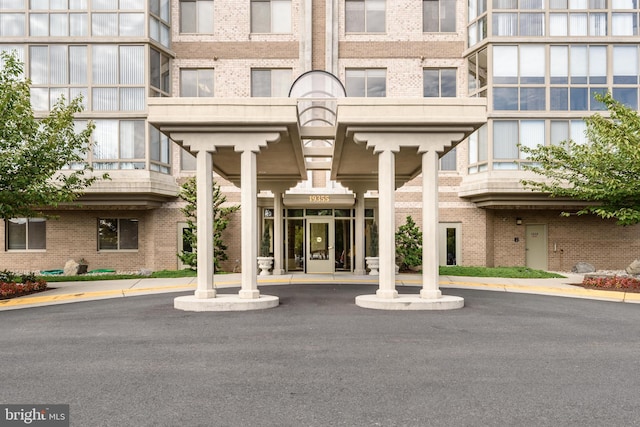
518,221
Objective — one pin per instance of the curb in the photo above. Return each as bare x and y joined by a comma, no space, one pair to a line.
38,300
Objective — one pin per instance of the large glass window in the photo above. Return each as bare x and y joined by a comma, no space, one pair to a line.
117,234
439,82
508,135
159,151
119,144
196,82
478,71
160,73
478,150
26,234
370,83
159,21
270,82
448,162
196,16
365,16
439,16
114,67
524,65
270,16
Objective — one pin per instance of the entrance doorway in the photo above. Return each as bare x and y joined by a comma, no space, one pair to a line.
536,246
320,245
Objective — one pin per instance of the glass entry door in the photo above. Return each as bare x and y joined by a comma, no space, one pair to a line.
320,246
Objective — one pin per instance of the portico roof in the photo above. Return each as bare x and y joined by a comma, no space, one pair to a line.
213,122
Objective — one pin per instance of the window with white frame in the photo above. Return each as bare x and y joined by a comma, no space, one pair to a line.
439,82
439,16
196,16
271,82
196,82
370,83
26,234
519,77
270,16
117,234
365,16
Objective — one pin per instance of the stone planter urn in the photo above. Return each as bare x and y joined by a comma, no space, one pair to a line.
373,263
265,263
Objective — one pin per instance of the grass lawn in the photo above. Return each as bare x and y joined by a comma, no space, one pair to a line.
509,272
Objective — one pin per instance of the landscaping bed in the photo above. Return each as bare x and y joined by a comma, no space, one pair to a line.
622,283
13,285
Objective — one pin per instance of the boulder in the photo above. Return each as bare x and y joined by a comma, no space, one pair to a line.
633,268
583,267
71,268
145,272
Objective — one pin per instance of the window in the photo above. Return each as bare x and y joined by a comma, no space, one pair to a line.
448,161
508,134
57,70
196,16
26,234
514,24
439,83
365,16
159,73
117,234
477,79
522,67
196,82
119,144
159,21
159,151
370,83
270,16
439,16
113,67
271,82
478,150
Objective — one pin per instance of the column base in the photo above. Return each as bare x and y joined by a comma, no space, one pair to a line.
430,293
386,294
409,302
251,294
205,294
225,303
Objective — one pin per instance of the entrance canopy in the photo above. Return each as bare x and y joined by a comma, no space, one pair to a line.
219,123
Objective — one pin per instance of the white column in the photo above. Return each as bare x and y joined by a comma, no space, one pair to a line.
430,277
204,222
249,222
278,237
386,226
358,245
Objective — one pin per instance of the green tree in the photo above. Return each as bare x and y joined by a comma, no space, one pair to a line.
34,152
605,171
188,193
408,245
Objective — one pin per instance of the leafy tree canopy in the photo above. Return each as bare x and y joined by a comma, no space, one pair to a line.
33,151
606,170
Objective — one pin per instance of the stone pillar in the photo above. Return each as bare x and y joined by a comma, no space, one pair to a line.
430,259
278,237
204,222
386,226
358,245
249,222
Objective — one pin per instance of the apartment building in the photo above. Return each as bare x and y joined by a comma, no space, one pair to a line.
535,63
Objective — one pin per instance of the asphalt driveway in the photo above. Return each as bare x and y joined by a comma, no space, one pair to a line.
318,360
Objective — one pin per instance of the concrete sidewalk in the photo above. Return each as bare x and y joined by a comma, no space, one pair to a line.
68,292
